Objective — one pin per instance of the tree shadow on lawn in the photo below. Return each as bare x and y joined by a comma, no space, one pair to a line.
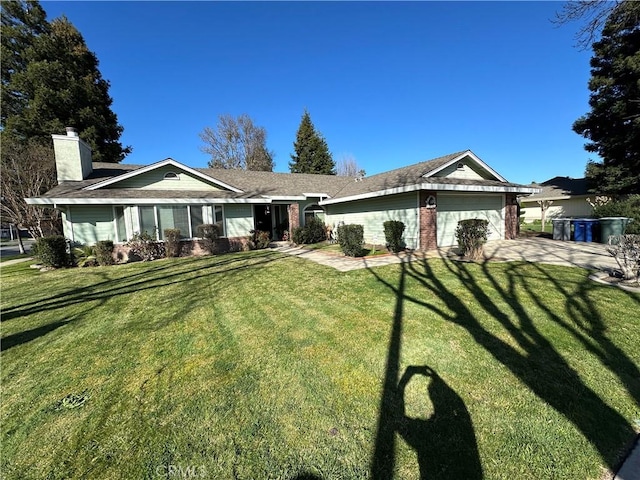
540,367
445,443
148,278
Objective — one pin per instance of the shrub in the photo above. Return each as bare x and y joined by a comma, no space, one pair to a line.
393,230
145,247
209,232
627,254
172,242
625,207
313,232
316,231
52,251
104,252
84,256
351,239
472,235
260,239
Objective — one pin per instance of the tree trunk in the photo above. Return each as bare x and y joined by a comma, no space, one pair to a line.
20,244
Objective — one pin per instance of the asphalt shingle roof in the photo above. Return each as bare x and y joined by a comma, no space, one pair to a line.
256,184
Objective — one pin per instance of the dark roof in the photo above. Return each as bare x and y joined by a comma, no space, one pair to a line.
560,187
255,184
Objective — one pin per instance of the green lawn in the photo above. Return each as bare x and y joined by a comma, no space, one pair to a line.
257,365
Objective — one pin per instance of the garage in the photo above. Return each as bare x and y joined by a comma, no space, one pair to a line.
453,208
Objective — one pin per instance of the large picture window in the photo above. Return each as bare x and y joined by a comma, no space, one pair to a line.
156,219
173,217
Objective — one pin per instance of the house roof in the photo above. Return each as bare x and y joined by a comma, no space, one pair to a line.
560,188
263,187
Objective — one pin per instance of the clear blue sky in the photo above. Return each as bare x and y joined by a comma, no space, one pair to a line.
389,84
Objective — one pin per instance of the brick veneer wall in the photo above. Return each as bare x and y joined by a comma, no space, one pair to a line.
511,224
191,248
294,217
428,236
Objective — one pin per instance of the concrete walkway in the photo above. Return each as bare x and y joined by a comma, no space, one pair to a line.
539,250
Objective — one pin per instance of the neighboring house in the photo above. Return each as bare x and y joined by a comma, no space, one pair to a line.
561,196
107,201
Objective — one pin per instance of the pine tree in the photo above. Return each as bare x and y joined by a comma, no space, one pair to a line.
613,124
51,81
311,151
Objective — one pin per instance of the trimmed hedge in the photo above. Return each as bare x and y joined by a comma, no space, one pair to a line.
351,239
172,242
209,232
393,230
52,251
146,247
104,253
472,235
313,232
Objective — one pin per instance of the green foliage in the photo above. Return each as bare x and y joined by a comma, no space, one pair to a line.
298,236
623,207
472,235
145,247
393,230
314,231
52,251
351,240
104,252
50,80
209,232
311,151
172,242
261,239
612,127
84,256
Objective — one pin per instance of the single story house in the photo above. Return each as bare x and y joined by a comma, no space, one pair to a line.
560,197
109,201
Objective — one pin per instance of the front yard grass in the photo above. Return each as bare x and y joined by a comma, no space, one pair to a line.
258,365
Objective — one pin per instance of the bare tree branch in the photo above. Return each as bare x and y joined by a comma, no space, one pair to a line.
347,166
237,144
27,171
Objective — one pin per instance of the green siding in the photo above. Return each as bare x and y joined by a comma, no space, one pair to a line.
154,180
238,220
471,171
453,208
372,213
92,223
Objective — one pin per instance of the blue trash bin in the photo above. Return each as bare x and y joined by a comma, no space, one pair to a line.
584,229
579,233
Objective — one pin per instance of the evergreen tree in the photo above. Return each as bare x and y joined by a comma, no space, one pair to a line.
311,151
51,80
613,124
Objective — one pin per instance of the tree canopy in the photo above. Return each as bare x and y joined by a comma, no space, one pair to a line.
612,127
50,80
237,143
311,151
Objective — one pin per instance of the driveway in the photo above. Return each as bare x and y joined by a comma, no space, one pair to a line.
537,249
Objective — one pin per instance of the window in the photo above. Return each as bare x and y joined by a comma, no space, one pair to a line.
171,176
173,217
155,219
121,229
196,219
148,220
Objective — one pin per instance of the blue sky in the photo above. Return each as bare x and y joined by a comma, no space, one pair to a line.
389,84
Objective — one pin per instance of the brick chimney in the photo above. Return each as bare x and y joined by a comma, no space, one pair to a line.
73,157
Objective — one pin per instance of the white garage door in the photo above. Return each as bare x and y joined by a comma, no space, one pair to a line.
453,208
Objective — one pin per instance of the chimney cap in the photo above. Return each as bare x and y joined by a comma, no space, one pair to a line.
71,132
